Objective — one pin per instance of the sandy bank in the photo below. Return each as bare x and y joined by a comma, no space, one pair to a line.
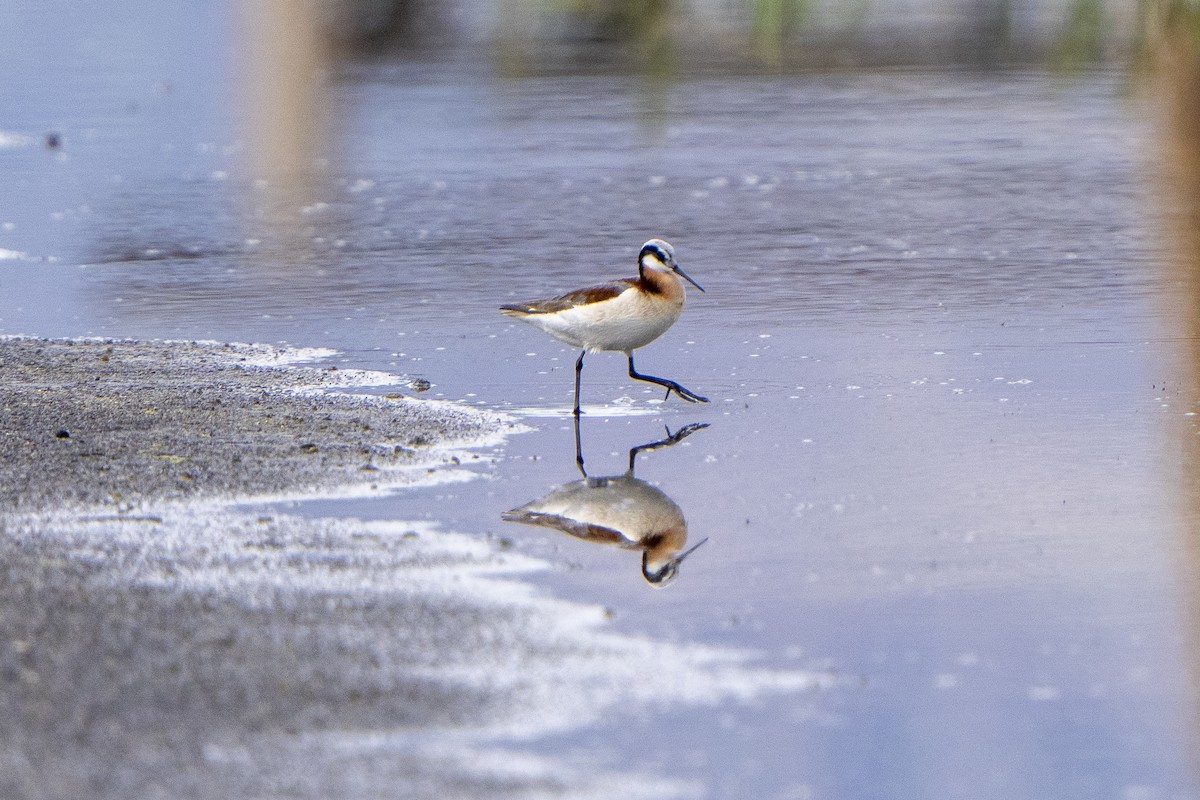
158,641
118,422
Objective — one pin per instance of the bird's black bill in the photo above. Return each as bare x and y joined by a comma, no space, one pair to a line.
683,275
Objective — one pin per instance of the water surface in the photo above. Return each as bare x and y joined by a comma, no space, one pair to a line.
939,459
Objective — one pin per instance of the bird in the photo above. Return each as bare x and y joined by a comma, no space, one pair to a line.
619,510
619,316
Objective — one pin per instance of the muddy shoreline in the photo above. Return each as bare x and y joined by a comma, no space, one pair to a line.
160,639
120,423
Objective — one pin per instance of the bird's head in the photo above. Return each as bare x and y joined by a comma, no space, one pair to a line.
658,254
660,573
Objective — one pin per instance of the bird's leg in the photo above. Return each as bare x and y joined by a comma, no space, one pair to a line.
578,375
670,386
672,438
579,449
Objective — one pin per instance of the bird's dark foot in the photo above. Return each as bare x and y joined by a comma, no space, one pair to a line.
684,432
685,394
672,438
671,386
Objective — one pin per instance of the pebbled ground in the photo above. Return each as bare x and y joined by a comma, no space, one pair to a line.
119,422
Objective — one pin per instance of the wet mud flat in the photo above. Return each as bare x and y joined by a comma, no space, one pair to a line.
161,638
117,422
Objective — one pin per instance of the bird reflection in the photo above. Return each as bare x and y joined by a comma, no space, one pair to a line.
620,510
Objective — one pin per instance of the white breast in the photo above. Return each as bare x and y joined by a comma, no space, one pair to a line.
624,504
628,321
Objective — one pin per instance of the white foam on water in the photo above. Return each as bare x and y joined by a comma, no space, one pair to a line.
534,664
10,139
514,764
552,664
566,412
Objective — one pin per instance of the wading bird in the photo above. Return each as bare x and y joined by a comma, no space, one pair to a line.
621,315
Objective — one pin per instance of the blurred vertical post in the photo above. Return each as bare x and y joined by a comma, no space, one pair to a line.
771,23
514,37
1169,34
285,100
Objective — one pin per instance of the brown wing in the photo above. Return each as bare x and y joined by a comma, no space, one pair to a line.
572,527
579,297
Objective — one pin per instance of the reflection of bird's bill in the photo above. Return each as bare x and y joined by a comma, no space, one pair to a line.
679,559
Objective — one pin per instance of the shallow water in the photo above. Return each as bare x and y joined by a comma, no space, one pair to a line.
939,461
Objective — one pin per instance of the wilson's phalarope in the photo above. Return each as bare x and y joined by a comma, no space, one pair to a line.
620,510
622,315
